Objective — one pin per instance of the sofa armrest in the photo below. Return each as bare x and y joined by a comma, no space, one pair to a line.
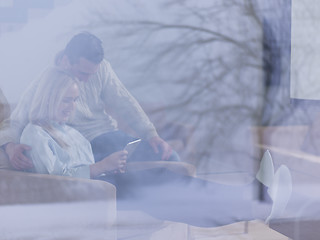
177,167
29,188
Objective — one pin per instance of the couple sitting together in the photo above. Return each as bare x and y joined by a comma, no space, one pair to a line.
65,130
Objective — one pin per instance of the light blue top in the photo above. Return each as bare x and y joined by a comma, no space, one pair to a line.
50,158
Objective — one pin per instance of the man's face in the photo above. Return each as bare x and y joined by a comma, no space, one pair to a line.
84,69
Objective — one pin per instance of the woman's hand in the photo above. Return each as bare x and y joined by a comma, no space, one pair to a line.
115,162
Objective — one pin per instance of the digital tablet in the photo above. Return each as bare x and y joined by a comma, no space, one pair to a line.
131,146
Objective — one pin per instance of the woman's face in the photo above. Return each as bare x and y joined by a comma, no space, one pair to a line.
67,104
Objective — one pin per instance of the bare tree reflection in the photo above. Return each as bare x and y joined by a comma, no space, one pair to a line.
206,59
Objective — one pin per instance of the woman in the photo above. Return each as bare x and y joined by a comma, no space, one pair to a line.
61,150
57,148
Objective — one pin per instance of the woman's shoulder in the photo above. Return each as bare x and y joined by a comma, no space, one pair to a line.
30,127
34,132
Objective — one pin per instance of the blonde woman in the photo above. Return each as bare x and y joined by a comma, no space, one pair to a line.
57,148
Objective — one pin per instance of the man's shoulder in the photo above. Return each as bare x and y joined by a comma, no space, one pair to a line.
105,62
105,72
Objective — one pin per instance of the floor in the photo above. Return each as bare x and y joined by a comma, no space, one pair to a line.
64,221
301,218
138,226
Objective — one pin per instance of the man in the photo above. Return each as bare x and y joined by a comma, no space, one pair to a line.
100,90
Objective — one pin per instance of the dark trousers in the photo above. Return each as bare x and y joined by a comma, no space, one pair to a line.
169,196
107,143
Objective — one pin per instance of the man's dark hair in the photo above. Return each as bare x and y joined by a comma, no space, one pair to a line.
84,45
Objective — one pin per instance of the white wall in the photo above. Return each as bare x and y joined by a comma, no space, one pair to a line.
305,49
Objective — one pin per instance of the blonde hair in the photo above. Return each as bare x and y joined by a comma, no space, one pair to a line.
52,87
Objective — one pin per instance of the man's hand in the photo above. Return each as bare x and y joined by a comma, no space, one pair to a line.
16,156
158,144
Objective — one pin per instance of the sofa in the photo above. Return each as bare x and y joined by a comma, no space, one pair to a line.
32,204
35,205
26,188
